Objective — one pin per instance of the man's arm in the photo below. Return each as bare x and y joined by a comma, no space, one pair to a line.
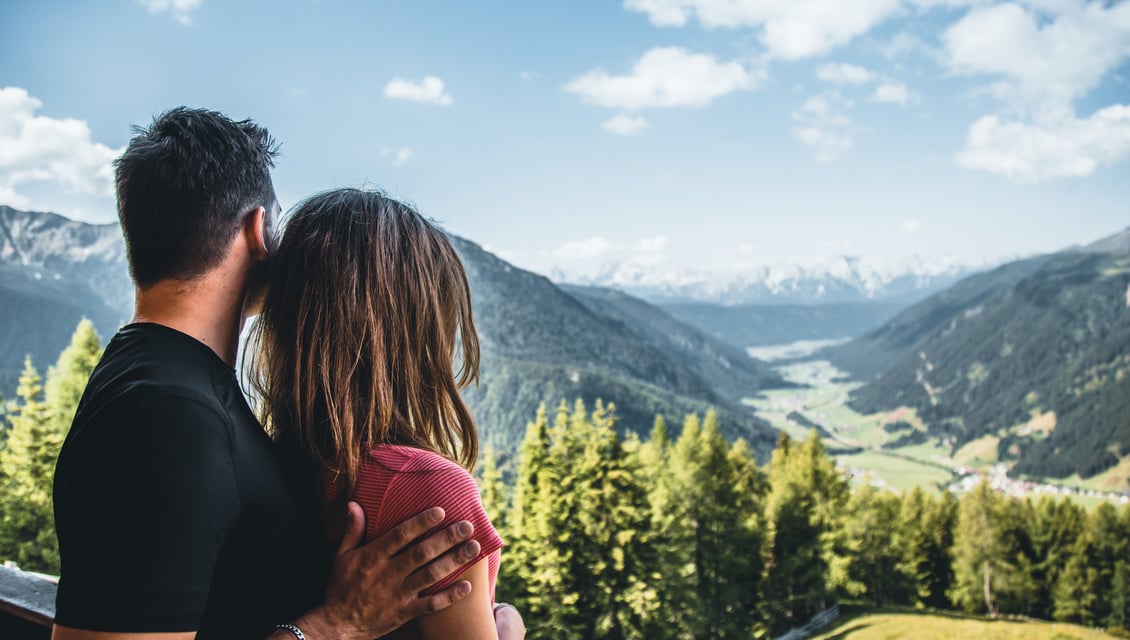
373,589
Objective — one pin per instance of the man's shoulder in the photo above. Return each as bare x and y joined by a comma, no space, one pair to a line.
143,371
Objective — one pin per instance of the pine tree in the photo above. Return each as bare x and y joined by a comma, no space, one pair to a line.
1082,594
674,513
38,425
585,563
728,530
1018,592
527,522
493,491
616,524
1120,595
805,497
931,547
870,548
67,380
27,466
993,554
975,550
1056,526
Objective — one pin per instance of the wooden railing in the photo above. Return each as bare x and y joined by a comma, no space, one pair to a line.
27,605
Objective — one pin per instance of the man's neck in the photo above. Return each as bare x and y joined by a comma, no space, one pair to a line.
208,309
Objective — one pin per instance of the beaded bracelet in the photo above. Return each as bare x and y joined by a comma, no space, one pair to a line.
293,629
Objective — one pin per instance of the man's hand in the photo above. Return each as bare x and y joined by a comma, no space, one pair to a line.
376,588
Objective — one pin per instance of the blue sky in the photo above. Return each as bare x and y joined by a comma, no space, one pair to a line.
711,134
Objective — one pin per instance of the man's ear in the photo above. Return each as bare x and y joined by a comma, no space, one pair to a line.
255,234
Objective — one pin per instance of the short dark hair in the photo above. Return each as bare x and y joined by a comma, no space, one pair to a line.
184,186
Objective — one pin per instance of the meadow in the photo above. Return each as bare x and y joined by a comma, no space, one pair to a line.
888,623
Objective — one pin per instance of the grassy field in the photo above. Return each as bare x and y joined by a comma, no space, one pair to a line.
861,442
892,624
823,402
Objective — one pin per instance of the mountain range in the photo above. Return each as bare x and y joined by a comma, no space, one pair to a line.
540,343
843,279
1031,358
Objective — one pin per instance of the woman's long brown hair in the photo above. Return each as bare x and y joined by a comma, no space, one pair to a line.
367,310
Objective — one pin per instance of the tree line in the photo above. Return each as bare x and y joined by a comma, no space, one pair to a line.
619,537
32,430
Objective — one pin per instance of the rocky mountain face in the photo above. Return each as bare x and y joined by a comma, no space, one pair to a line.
54,272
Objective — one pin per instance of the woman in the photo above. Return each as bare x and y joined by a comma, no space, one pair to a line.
362,323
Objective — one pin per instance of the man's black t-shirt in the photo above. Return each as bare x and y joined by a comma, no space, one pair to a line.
174,510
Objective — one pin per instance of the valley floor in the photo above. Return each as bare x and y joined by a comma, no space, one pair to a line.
890,624
866,444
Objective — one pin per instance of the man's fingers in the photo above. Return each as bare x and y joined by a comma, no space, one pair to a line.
354,528
442,567
430,604
396,539
435,545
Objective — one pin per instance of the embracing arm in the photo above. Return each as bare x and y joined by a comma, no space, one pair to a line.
375,588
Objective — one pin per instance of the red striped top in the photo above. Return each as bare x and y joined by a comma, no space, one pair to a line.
396,482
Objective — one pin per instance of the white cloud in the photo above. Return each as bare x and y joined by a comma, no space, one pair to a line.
1045,55
912,226
849,75
644,251
788,29
1070,147
655,244
899,45
625,124
529,76
399,156
593,247
179,9
892,93
427,91
844,74
1045,61
821,125
38,148
664,77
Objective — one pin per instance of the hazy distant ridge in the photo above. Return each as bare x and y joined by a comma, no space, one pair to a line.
841,279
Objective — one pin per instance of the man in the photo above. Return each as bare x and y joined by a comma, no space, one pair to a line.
177,517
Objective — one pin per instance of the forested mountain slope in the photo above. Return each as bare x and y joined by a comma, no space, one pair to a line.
1046,337
727,369
540,344
900,337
